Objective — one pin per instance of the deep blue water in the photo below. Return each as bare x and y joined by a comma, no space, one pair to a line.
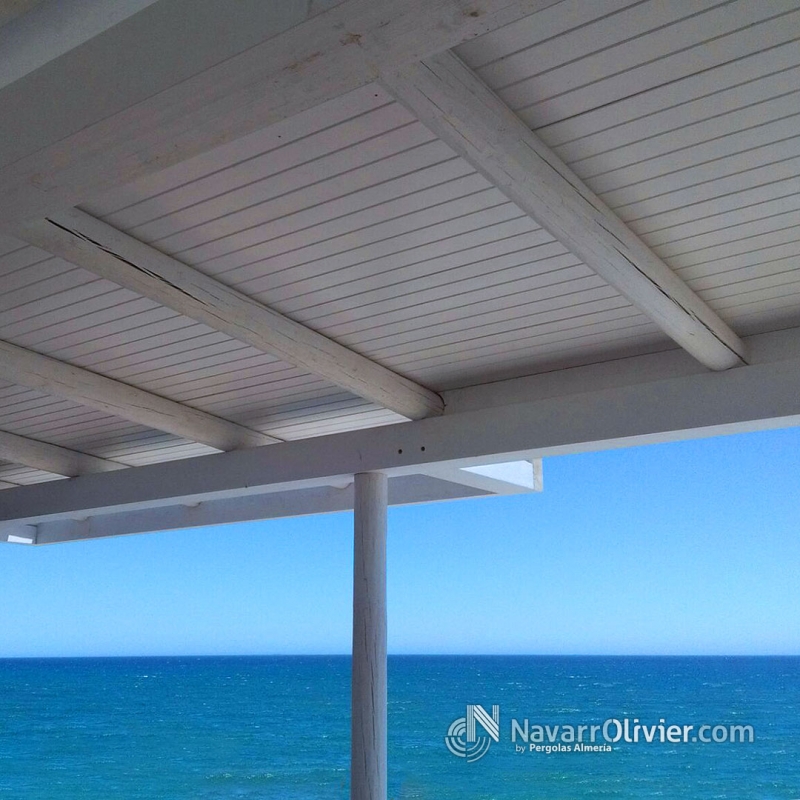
278,727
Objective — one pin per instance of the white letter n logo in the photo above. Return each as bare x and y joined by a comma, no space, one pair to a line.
462,739
479,715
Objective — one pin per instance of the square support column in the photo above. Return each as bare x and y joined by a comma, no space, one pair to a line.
369,722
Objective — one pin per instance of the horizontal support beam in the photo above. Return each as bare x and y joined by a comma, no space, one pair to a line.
36,371
93,146
671,405
462,111
51,458
94,245
318,500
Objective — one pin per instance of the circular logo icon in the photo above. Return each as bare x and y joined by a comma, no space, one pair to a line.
457,744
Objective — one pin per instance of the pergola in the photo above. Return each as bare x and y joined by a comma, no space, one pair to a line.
261,259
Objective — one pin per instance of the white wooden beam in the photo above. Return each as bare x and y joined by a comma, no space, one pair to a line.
403,490
90,243
459,108
94,149
27,368
608,406
51,458
7,485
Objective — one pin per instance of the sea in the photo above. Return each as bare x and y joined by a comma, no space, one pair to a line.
277,728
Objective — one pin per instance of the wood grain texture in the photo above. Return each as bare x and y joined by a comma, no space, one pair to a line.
81,239
451,100
36,371
626,403
368,773
324,57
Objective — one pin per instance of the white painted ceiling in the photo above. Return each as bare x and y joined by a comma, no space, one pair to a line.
353,219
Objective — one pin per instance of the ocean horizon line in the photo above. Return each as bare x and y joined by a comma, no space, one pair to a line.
347,656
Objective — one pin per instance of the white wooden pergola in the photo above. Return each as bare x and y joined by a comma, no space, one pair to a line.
261,259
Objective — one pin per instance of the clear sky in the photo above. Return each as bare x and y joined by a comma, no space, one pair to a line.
686,548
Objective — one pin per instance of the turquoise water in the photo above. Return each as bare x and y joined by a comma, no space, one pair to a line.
278,727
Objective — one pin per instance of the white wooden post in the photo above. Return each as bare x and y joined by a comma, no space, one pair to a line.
368,739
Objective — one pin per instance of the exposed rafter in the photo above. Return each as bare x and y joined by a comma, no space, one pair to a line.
50,457
290,71
91,243
36,371
459,108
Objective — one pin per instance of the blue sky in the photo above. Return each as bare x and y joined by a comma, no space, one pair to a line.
685,548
